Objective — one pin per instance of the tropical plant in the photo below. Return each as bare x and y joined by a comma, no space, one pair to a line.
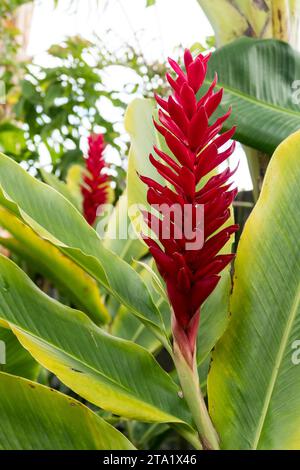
186,345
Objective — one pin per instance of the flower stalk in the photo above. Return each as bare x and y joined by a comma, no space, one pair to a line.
190,384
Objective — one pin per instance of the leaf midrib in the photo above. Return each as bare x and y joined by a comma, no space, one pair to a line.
278,361
58,349
256,102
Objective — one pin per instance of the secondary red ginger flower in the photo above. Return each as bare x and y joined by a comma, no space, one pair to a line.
195,150
95,183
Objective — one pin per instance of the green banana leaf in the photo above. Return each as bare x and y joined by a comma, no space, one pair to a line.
254,383
214,317
34,417
139,125
259,78
128,327
18,361
116,236
114,374
54,218
74,282
62,187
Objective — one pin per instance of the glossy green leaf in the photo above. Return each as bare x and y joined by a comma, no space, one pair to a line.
254,383
157,282
17,360
114,374
34,417
139,125
127,326
214,317
54,218
119,237
75,283
60,186
259,78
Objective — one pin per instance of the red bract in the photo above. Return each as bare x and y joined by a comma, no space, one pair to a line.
95,183
190,275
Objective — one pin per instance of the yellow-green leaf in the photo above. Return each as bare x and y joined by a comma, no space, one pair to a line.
75,283
114,374
14,359
254,383
54,218
34,417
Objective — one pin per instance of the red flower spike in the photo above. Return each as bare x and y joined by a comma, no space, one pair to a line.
95,183
190,273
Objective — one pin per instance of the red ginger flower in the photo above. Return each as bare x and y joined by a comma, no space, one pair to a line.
190,275
95,183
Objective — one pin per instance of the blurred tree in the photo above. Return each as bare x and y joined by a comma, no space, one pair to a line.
49,109
59,105
15,19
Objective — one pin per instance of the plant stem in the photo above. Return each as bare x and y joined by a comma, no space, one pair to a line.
189,380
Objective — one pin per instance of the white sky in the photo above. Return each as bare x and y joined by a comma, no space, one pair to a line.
157,31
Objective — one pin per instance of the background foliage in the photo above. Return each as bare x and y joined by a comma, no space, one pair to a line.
101,335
